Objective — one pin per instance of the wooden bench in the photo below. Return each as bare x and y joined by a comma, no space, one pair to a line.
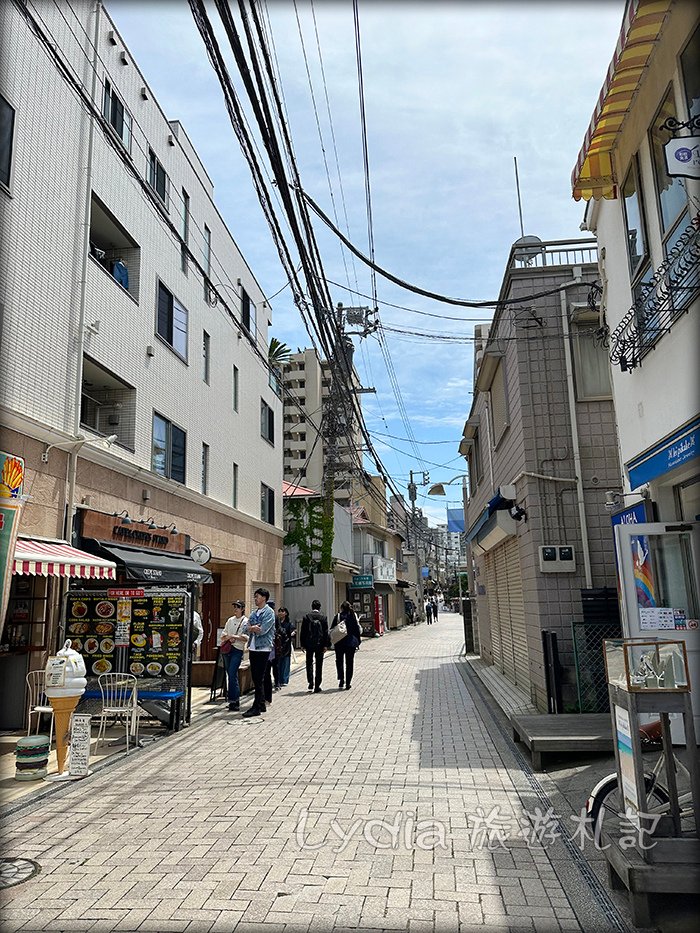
543,734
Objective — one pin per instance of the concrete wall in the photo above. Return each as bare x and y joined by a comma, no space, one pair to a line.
298,599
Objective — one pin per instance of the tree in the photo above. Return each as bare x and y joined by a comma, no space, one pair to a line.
278,353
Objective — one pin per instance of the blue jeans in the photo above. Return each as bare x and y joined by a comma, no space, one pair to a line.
284,666
233,662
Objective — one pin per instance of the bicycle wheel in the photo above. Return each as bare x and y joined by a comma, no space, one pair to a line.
608,803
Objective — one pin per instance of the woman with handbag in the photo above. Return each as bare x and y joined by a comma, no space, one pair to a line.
345,637
286,631
233,643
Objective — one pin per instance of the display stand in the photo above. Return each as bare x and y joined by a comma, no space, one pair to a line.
664,856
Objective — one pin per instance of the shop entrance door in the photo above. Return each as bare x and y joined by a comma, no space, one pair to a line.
659,568
211,617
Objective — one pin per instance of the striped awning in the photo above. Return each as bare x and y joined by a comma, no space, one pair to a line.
59,559
594,174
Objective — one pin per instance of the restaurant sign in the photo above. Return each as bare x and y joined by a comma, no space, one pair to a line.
104,527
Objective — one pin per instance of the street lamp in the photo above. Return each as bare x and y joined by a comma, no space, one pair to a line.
438,489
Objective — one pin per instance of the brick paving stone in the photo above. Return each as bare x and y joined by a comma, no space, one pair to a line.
161,849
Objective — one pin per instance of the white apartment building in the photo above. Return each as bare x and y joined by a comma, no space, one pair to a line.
639,171
308,381
128,310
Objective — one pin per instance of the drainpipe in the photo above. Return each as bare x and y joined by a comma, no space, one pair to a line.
80,341
574,434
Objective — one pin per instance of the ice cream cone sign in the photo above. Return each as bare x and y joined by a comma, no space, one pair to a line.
65,684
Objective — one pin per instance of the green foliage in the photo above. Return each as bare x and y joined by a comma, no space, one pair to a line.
312,533
278,353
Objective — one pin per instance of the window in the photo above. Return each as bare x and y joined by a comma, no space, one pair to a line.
185,230
206,261
248,312
691,74
172,321
116,114
157,178
168,451
206,342
107,404
205,469
7,129
302,400
234,492
670,191
234,394
267,422
302,383
591,364
499,404
634,219
267,504
302,436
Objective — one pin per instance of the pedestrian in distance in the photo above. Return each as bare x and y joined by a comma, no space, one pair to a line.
428,612
435,609
315,642
233,642
346,647
286,630
260,628
271,660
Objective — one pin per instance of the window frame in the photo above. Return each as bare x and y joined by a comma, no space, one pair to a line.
234,489
153,165
7,185
235,388
204,485
665,229
169,338
267,422
108,98
249,313
636,273
267,504
185,231
167,472
206,358
577,334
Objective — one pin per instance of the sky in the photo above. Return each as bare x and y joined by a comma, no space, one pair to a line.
453,92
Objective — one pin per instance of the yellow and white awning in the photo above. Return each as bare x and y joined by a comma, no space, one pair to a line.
594,174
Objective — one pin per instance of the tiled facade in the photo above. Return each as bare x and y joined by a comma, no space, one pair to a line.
522,425
72,333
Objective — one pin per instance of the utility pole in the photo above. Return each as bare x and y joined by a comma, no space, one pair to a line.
412,495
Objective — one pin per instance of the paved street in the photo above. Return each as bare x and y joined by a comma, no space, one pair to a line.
354,810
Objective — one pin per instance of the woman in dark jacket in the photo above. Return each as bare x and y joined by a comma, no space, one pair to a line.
345,648
286,630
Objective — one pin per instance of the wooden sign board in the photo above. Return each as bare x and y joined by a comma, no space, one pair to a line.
109,528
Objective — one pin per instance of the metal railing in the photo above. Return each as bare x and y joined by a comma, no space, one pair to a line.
545,254
668,294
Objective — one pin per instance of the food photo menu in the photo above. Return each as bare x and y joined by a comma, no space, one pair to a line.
151,627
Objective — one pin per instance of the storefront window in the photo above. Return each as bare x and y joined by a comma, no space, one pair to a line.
691,74
26,620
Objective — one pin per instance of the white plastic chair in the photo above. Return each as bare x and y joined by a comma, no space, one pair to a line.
37,702
119,701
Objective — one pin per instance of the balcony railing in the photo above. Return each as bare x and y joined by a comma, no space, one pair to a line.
538,254
668,294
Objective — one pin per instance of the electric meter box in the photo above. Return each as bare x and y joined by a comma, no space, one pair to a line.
557,558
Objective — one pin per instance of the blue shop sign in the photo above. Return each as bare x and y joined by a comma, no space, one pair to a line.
363,581
666,456
636,514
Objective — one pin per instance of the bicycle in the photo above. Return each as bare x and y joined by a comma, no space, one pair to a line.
606,802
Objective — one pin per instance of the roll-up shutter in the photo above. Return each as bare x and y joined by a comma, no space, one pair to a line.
516,603
494,615
508,613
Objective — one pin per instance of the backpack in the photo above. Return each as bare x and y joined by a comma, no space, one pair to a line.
315,631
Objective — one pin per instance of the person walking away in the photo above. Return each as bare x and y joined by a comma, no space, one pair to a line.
286,632
260,627
233,644
315,642
346,647
435,609
429,612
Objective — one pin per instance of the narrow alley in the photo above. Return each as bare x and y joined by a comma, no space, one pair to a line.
369,810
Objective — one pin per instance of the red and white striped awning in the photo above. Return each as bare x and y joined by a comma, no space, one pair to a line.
59,559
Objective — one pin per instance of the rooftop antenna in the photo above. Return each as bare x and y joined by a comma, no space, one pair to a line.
517,188
528,247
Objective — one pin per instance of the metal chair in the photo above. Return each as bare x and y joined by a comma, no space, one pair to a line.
37,701
119,701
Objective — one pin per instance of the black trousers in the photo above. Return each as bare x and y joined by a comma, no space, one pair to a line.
312,656
258,667
345,664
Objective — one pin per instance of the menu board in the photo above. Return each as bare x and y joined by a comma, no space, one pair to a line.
145,635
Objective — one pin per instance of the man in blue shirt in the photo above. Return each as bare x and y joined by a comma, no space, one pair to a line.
261,629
